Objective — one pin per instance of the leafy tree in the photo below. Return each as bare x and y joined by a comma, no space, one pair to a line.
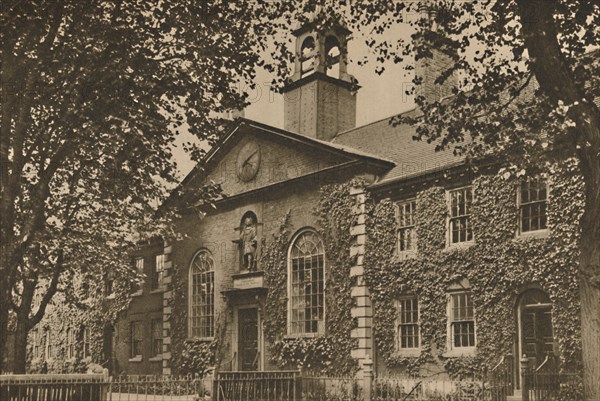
93,93
528,84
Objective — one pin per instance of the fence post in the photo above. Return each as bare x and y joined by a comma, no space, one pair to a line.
104,386
367,368
525,384
214,396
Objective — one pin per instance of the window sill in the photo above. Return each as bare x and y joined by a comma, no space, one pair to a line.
534,234
137,293
301,335
201,339
459,246
405,255
156,358
136,359
408,353
159,290
111,296
460,352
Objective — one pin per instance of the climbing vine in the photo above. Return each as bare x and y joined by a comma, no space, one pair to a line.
191,355
92,311
497,267
329,353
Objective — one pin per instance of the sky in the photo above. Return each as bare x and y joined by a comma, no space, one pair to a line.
380,96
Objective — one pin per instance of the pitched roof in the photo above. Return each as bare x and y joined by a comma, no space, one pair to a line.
411,158
242,123
325,145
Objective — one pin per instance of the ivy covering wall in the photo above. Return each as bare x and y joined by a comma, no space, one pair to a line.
94,313
328,353
498,267
325,354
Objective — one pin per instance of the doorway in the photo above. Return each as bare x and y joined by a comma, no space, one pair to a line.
248,343
108,348
535,332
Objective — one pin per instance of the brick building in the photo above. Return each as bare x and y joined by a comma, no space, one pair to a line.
447,266
217,291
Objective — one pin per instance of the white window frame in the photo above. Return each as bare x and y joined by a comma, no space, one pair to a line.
86,343
153,338
136,357
543,232
320,323
210,274
398,323
36,348
449,242
452,349
405,254
48,350
158,272
139,265
70,348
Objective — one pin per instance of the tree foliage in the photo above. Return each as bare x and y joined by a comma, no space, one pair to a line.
93,94
526,88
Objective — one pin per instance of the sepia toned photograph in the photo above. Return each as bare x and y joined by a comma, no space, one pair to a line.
300,200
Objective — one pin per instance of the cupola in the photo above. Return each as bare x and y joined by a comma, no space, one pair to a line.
320,99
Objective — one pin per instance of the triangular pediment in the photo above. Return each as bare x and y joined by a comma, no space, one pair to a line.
253,156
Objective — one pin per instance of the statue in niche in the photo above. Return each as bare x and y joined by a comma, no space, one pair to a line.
249,243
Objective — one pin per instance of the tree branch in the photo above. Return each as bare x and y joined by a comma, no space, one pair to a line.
52,288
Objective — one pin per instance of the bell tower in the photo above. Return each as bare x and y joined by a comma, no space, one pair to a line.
320,100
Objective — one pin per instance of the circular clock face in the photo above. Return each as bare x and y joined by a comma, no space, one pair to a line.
248,161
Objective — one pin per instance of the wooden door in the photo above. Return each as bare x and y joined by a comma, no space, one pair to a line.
538,336
248,339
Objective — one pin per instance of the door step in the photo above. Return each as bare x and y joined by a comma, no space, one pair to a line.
517,396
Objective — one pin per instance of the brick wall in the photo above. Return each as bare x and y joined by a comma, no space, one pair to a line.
280,160
216,233
429,70
319,109
144,308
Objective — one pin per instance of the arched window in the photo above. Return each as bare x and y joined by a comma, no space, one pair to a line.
306,284
307,56
202,296
332,51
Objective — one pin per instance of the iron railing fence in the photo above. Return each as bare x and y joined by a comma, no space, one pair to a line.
159,388
257,386
499,381
427,389
48,387
549,383
554,386
318,388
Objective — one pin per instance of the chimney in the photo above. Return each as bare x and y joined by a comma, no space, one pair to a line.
320,100
235,114
430,69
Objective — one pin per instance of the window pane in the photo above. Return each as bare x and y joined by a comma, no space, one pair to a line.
406,225
533,199
156,337
462,320
460,219
136,339
408,329
202,293
159,267
307,284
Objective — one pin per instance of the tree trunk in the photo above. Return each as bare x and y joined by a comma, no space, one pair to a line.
3,331
19,361
590,312
556,79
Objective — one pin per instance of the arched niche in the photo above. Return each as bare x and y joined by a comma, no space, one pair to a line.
332,54
307,56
